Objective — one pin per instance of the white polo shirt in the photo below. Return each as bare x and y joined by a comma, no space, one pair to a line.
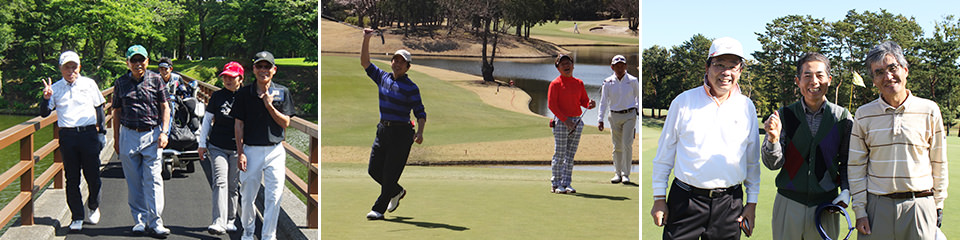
709,145
618,94
75,102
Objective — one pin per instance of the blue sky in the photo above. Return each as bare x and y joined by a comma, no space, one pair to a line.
668,23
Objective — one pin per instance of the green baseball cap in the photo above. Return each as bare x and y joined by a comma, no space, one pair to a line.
136,49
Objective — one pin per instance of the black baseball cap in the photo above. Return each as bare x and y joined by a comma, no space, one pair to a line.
561,57
263,56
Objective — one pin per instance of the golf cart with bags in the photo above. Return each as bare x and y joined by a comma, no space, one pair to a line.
181,150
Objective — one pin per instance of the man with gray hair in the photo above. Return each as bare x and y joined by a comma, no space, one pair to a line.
898,155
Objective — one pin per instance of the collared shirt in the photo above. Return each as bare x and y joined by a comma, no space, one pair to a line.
709,146
565,96
75,102
259,128
397,96
622,94
897,149
140,100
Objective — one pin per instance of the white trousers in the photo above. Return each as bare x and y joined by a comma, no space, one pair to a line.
623,126
266,163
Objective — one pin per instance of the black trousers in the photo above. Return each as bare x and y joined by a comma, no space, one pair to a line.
81,151
693,216
388,157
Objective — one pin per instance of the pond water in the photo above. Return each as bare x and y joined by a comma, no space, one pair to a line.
534,75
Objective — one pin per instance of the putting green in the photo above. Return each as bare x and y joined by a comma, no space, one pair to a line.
477,203
768,191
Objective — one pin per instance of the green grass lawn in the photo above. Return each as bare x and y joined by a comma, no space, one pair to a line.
454,115
477,203
560,30
651,133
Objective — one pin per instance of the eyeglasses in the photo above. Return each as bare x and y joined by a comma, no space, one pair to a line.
721,67
263,66
137,59
892,68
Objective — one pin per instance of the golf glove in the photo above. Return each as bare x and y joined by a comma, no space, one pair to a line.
844,197
103,139
939,217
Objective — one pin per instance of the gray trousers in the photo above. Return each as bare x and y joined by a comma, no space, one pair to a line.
142,165
911,218
225,184
623,126
794,221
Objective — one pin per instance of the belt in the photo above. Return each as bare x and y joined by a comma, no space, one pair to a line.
79,129
144,129
711,193
905,195
387,123
624,111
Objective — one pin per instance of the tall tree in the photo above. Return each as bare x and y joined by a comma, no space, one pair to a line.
627,9
656,73
937,74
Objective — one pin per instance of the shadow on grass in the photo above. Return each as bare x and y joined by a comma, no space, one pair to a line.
426,224
597,196
653,122
632,184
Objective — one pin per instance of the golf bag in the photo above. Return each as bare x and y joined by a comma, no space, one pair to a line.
185,124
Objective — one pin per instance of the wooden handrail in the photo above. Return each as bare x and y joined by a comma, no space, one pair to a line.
309,188
23,133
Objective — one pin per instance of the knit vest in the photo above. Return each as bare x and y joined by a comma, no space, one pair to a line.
812,164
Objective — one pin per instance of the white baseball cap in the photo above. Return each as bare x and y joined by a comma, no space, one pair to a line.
69,56
725,45
403,53
618,59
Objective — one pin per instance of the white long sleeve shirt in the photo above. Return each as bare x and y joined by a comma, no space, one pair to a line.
709,144
618,94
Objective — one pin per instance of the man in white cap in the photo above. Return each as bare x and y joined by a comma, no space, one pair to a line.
79,106
395,135
711,142
620,94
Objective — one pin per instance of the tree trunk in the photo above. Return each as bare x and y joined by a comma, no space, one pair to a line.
487,67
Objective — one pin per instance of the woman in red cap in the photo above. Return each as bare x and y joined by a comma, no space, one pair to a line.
217,130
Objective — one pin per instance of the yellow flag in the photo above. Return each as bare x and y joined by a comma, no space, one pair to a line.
857,80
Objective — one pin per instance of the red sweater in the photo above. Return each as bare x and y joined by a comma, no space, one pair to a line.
565,97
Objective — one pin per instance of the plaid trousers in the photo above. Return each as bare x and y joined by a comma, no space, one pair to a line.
566,143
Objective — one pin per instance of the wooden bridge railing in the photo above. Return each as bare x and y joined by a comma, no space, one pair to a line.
29,187
24,169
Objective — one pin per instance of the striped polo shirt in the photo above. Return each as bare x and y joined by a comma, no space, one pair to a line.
897,149
397,96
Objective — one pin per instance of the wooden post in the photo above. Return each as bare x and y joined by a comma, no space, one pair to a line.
26,180
57,158
313,187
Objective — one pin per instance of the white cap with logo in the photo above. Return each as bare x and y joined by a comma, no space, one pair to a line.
69,56
725,45
618,59
403,53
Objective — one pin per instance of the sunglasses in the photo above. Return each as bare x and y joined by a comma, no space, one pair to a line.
263,66
137,59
